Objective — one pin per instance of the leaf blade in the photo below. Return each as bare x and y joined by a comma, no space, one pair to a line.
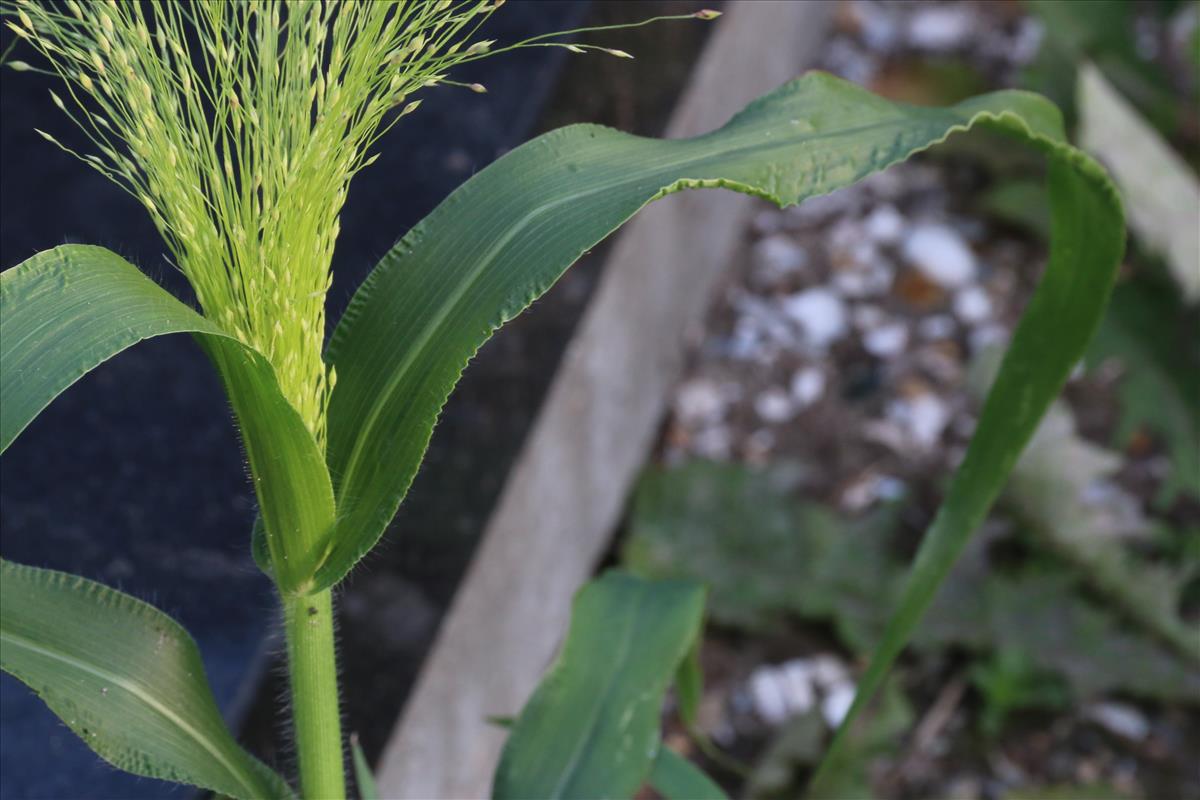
124,677
507,234
676,778
66,310
1087,244
591,729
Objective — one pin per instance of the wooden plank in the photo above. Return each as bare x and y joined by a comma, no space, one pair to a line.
568,488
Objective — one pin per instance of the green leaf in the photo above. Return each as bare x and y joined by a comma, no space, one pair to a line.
1088,241
591,729
506,235
676,778
367,790
66,310
126,678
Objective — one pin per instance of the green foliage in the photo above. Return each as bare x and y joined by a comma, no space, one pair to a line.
591,728
126,678
739,532
66,310
676,778
1008,682
506,235
367,790
478,260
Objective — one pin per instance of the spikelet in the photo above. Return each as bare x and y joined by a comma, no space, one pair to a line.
238,126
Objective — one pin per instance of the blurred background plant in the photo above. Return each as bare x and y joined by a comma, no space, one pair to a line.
838,374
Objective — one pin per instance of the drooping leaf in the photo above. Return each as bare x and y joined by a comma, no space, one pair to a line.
676,778
592,727
507,234
126,678
66,310
1088,240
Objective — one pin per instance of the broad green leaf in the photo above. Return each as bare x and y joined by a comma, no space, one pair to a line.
506,235
591,729
66,310
676,778
1088,240
126,678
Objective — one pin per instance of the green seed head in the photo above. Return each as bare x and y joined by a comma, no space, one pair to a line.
238,125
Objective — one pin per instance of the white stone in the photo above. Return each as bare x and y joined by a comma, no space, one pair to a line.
988,335
767,697
797,681
885,225
867,317
1121,719
864,280
923,417
837,704
820,313
939,326
699,401
941,254
776,257
942,27
828,671
972,305
886,341
808,384
774,405
715,443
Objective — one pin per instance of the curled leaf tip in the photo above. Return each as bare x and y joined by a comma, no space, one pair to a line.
706,14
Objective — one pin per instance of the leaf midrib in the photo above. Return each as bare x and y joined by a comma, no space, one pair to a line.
428,329
249,785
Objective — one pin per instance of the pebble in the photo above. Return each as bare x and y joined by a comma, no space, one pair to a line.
715,443
885,225
940,27
781,691
986,336
776,257
972,305
923,417
836,704
867,317
808,384
941,254
699,401
820,313
887,340
1120,719
767,696
939,326
864,279
774,405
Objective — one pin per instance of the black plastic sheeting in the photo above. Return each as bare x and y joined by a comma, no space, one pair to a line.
134,476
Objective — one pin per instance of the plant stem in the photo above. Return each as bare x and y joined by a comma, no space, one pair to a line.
312,668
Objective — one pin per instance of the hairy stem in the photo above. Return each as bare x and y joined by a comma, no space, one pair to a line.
312,669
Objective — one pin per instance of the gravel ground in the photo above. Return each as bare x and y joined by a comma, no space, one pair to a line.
841,345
